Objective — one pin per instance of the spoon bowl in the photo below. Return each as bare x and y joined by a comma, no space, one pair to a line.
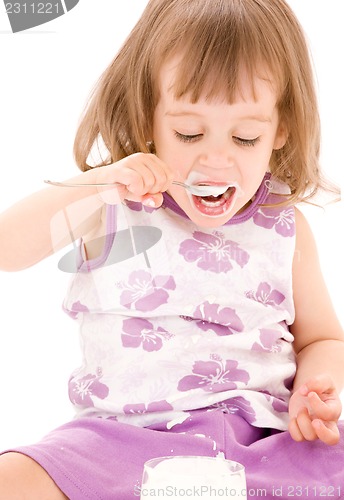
203,190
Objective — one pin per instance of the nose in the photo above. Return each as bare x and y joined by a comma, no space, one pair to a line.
218,155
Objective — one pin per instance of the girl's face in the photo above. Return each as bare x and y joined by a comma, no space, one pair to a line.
213,142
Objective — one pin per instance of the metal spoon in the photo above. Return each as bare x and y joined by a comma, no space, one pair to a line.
196,190
199,190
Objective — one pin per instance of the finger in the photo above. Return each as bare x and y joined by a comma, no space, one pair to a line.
319,384
138,179
294,431
327,432
138,174
326,410
109,195
124,178
304,423
161,171
154,177
131,174
152,200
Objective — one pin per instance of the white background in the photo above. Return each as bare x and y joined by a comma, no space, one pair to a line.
46,74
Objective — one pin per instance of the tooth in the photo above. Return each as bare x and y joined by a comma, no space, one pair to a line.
211,203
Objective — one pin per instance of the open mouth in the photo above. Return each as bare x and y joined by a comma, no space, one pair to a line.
212,200
215,206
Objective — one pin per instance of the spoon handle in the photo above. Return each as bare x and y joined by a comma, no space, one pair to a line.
94,184
80,184
196,190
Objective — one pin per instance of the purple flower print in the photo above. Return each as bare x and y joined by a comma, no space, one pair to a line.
278,405
281,219
215,375
76,308
223,321
237,406
138,409
145,292
141,408
266,295
81,390
270,341
138,207
213,252
139,331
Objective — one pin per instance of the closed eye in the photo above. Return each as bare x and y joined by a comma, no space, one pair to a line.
187,137
246,142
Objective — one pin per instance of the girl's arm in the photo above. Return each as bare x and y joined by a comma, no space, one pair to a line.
319,345
45,222
50,219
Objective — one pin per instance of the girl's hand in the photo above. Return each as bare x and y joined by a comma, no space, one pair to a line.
141,177
314,410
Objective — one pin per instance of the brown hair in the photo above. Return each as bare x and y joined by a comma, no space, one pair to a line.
216,39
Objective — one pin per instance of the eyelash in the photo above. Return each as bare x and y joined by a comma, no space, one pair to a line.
193,138
246,142
186,138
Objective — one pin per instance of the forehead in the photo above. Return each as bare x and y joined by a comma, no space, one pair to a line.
258,90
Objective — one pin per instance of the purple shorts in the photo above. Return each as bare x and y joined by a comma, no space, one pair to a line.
94,458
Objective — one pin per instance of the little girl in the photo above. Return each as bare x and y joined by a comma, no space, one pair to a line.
196,305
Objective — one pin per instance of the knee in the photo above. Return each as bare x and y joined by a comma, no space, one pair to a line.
22,477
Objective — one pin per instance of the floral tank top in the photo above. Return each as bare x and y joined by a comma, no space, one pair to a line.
175,317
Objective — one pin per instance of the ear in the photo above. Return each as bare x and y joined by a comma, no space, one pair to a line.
281,136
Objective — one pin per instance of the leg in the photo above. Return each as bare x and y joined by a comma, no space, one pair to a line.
21,478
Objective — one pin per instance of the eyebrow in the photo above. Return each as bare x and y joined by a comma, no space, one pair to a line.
257,118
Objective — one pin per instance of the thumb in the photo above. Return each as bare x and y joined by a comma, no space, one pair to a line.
152,200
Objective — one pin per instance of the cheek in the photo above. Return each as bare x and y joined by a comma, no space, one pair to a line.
174,157
162,143
159,137
263,156
169,156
